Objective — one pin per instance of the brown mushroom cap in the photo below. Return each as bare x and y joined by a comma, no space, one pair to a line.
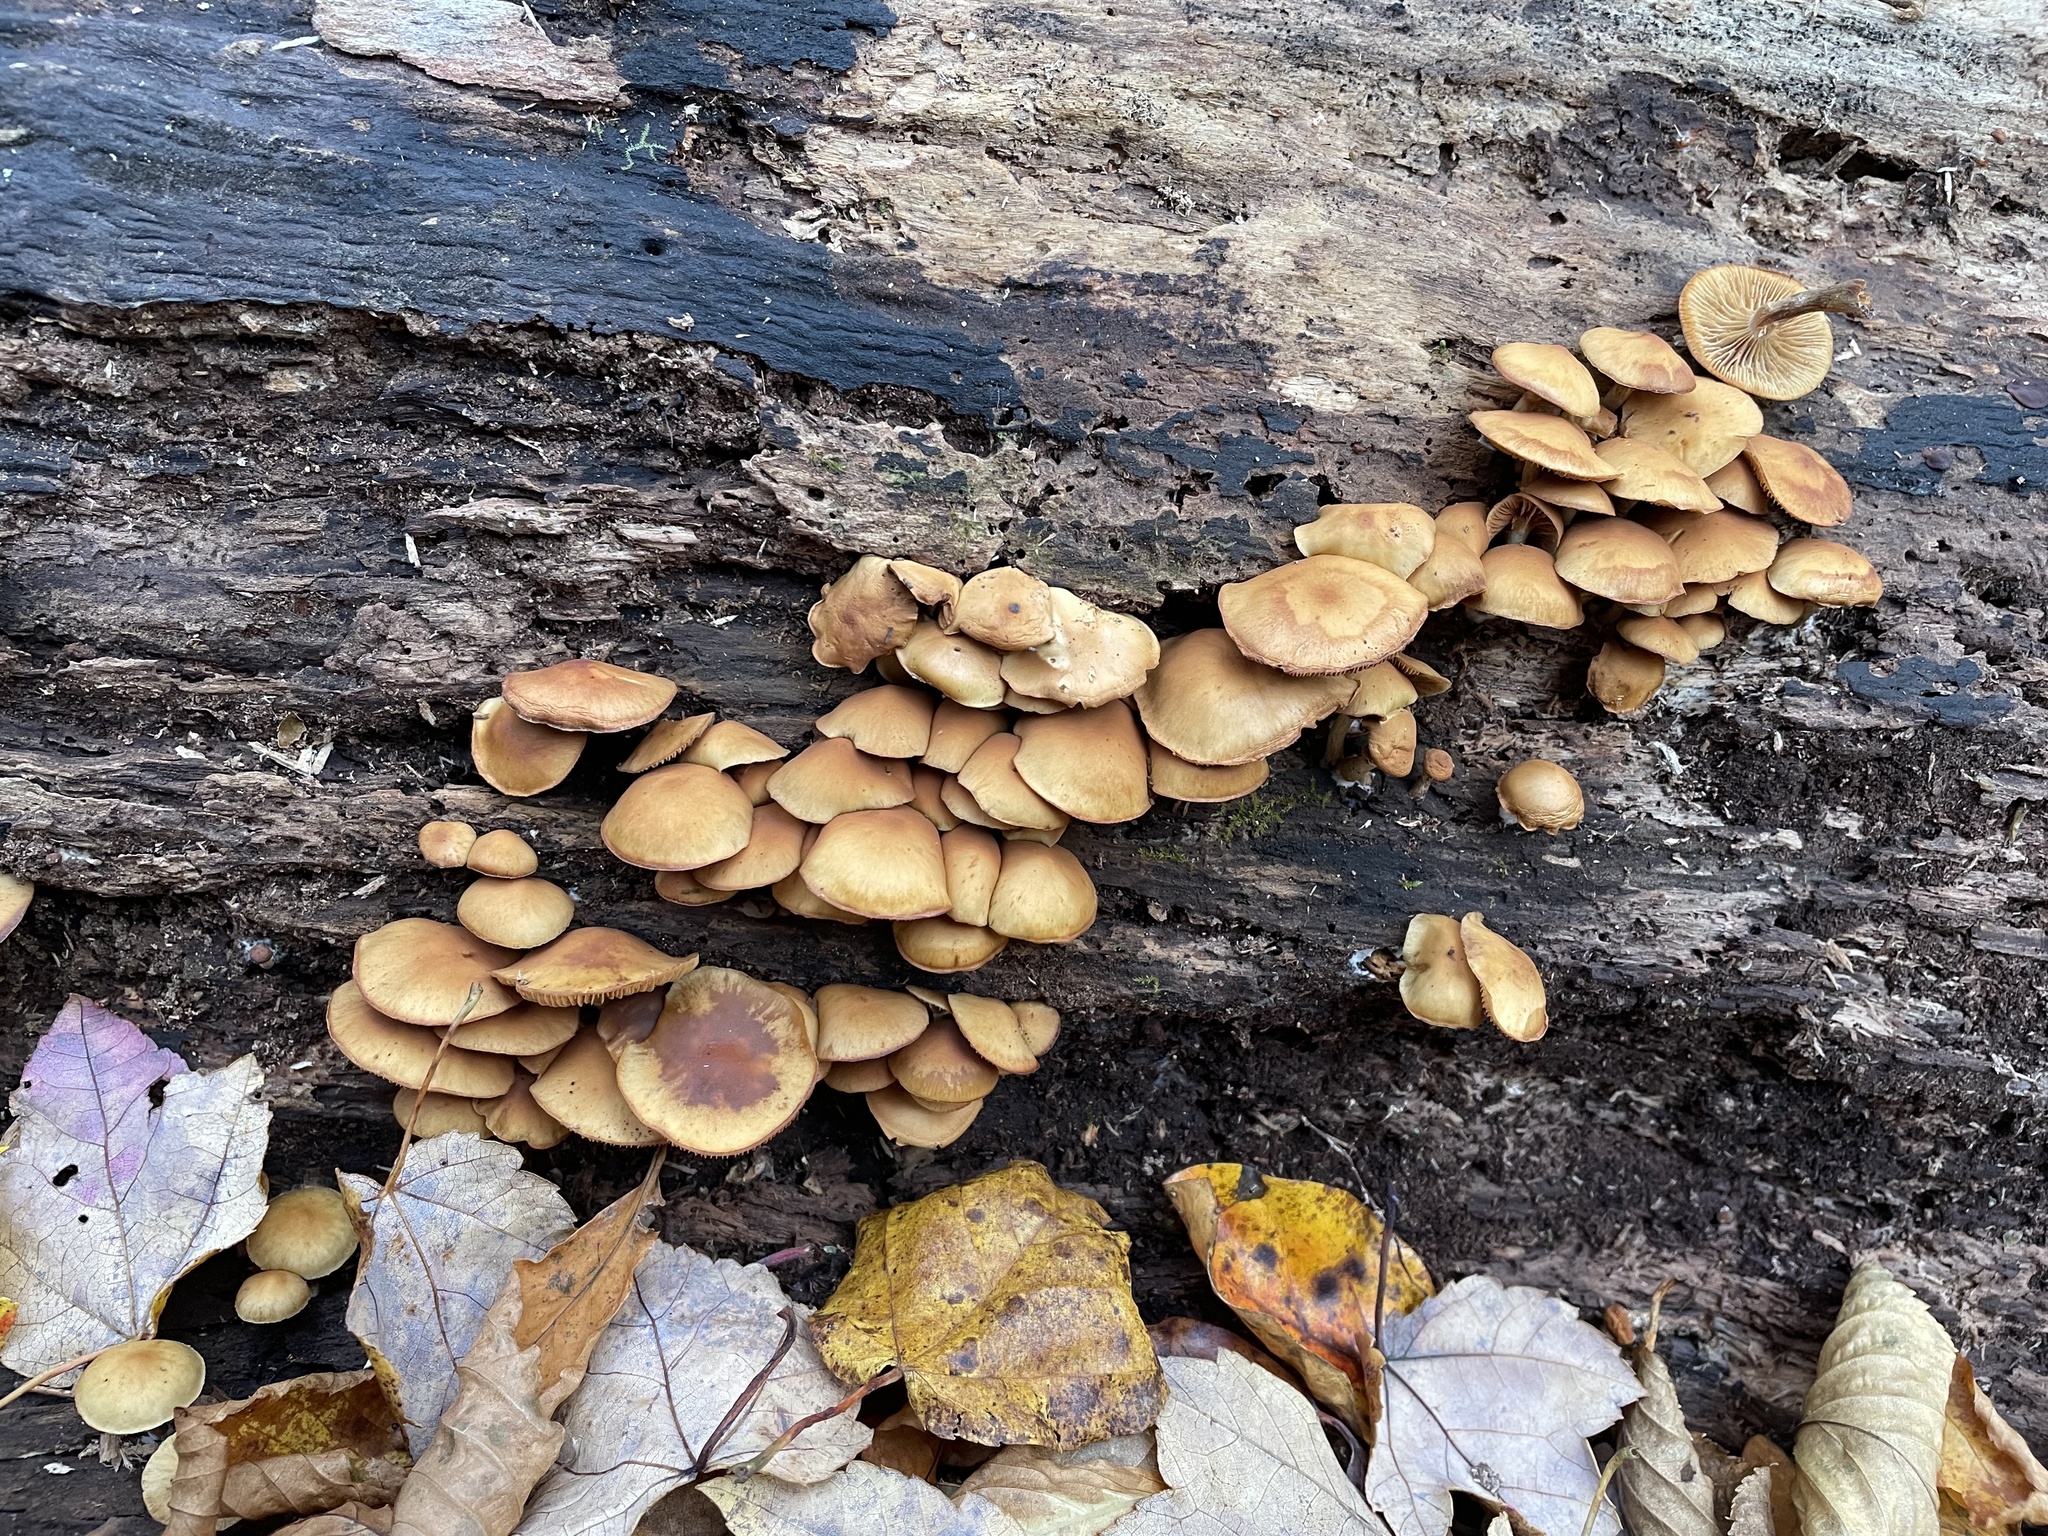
683,888
625,1019
1464,522
939,1066
515,914
435,1113
866,613
1800,482
1043,895
1095,655
523,1031
271,1296
138,1385
1737,486
1025,704
833,776
1824,572
1392,535
581,1090
974,861
1647,473
1175,778
1713,547
1754,595
731,744
956,731
404,1053
306,1231
516,757
958,802
933,588
728,1065
1550,373
592,965
1705,630
517,1116
1040,1023
1390,743
1509,984
1322,614
1698,597
882,864
1437,986
1210,704
1637,360
909,1124
799,900
1703,430
1006,609
446,844
942,947
1088,763
1522,584
1618,559
991,777
668,740
1624,677
539,1061
580,695
503,854
418,971
960,667
889,721
858,1076
772,853
866,1023
1578,495
1550,442
992,1030
1762,331
1660,637
1539,796
683,816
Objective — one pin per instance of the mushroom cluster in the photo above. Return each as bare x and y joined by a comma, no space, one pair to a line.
1457,974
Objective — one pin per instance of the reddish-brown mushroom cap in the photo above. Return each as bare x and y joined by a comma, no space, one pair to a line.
515,914
405,1053
882,864
1088,763
890,721
942,947
581,1090
728,1065
1042,896
593,965
683,816
772,853
668,740
516,757
866,613
419,971
939,1066
864,1023
833,776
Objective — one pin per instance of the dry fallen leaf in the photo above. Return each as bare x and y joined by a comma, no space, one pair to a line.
436,1253
1300,1263
107,1195
1869,1445
1007,1303
349,1520
1751,1514
1985,1466
1492,1390
691,1342
1761,1454
1243,1453
1663,1490
862,1499
1069,1493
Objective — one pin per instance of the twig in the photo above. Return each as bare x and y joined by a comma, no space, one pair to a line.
476,995
887,1378
52,1374
788,1255
745,1400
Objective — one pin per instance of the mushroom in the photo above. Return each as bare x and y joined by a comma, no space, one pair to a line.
1509,985
419,971
1040,1023
1438,765
1095,656
1703,430
137,1385
1522,584
1378,691
730,744
956,731
668,740
523,1031
581,1090
446,844
928,798
1549,442
1762,331
539,1061
1704,629
433,1113
1025,704
1392,535
940,1067
684,889
1577,495
1322,614
1754,595
683,816
503,854
158,1473
799,900
404,1053
866,613
516,1116
516,757
1624,677
727,1066
974,860
858,1076
958,666
933,588
991,777
833,776
1618,559
1713,547
1437,986
1698,597
882,864
942,947
1539,796
866,1023
1550,373
1452,572
1463,522
1005,609
1175,778
889,721
1801,483
1659,636
1042,896
909,1124
515,914
581,695
1209,704
958,802
306,1231
1637,360
1390,743
625,1019
772,853
1824,572
1644,472
1087,763
592,965
804,1007
993,1032
753,779
1526,520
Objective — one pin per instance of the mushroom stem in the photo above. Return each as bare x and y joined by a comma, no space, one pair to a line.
1851,298
1334,739
1600,1491
50,1375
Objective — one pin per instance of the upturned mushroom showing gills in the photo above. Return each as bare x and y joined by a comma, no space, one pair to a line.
727,1066
136,1386
1762,331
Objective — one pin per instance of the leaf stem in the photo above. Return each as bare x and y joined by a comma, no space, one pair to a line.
746,1398
476,995
52,1374
780,1442
1600,1490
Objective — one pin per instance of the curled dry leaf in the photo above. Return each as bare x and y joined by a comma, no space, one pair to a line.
1007,1303
349,1520
1985,1466
861,1499
106,1196
1869,1446
1300,1263
1069,1493
1492,1390
1751,1514
436,1252
1243,1453
1664,1491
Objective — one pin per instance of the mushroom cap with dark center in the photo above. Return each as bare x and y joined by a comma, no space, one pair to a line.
956,731
993,1032
404,1053
1578,495
1005,609
138,1385
1624,677
503,854
863,1023
1210,704
516,1116
1620,560
959,666
418,971
974,861
683,816
991,777
799,900
1737,486
831,777
1392,535
942,947
910,1124
1660,637
1509,984
1637,360
890,721
940,1067
592,965
271,1296
1089,763
1522,584
668,740
1754,595
446,844
1731,331
1549,372
1322,614
1540,796
1704,430
1175,778
728,1065
523,1031
1040,1023
1549,442
866,613
516,757
515,914
682,887
583,695
1800,483
434,1113
772,853
1095,655
580,1089
1824,572
1042,896
1713,547
1437,986
733,744
306,1231
882,864
1644,472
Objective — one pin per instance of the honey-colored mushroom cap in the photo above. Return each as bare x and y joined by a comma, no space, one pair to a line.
942,947
1040,1023
1210,704
1392,535
1577,495
682,887
446,844
1824,572
683,816
1703,430
1175,778
1549,372
1043,895
1624,677
1378,691
799,900
1437,986
1522,584
581,1090
1321,614
522,1031
1540,796
1706,630
404,1053
1754,595
1452,573
1088,763
582,695
516,1116
928,797
1712,547
940,1067
668,740
727,1066
435,1113
958,666
833,776
418,971
1637,360
1737,486
1005,609
866,613
1763,332
993,1031
1644,472
991,777
883,864
890,721
1550,442
138,1385
865,1023
1390,743
974,861
933,588
502,854
271,1296
1509,984
515,914
858,1076
956,731
733,744
1799,482
1095,655
1660,637
1618,559
516,757
306,1231
909,1124
772,853
592,965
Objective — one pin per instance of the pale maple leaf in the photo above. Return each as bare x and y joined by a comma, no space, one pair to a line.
863,1499
124,1169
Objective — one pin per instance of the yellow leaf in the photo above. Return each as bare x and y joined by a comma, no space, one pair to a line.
1985,1466
1008,1306
1300,1263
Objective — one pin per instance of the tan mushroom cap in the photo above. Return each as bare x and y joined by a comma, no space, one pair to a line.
138,1385
864,614
866,1023
909,1124
931,997
858,1076
1025,704
732,744
1624,677
1392,535
805,1006
956,731
517,1117
436,1114
1522,584
1540,796
1660,637
271,1296
1698,597
1465,523
939,1066
306,1231
581,1090
1006,609
1644,472
1322,614
515,914
523,1031
933,588
1618,559
1703,430
1762,331
1824,572
1737,486
799,900
405,1053
503,854
1437,986
1390,743
582,695
1754,595
683,816
993,1032
625,1019
1706,630
1801,483
1096,655
1378,691
667,741
1452,573
1040,1023
1043,895
728,1065
15,896
685,890
942,947
1210,704
1508,981
1175,778
539,1061
1637,360
960,667
928,798
516,757
974,861
882,864
833,776
1549,372
446,844
1713,547
592,965
1549,442
772,853
957,801
890,721
1088,763
1577,495
753,781
418,971
991,777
